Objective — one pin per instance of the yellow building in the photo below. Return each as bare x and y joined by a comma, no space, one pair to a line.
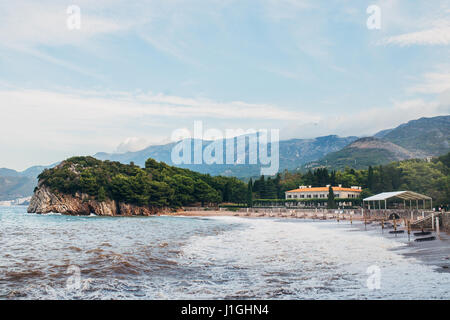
308,192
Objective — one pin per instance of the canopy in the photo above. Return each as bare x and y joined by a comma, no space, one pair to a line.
405,195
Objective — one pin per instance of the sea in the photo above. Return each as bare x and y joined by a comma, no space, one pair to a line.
54,256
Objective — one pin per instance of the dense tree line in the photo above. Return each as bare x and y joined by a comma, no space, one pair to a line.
156,185
161,185
428,177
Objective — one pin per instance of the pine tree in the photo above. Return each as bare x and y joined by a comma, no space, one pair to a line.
331,204
227,192
250,194
370,178
270,189
333,178
262,188
278,186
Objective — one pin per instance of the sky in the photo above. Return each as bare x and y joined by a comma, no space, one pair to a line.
135,71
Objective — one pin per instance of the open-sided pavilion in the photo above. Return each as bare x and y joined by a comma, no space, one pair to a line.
404,195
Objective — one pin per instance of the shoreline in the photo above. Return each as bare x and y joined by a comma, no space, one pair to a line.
434,253
226,213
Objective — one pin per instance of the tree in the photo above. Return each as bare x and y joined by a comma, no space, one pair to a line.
250,194
227,192
331,204
370,178
270,189
280,193
309,178
158,185
333,178
260,186
204,193
101,194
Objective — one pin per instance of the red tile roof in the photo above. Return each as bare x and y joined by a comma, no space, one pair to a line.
321,189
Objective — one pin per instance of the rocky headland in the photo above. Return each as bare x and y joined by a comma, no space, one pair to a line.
45,201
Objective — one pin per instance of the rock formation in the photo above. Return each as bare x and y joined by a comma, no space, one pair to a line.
45,200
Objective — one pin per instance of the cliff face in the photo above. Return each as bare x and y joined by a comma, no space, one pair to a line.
45,201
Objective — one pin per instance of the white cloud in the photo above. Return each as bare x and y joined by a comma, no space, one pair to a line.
433,36
29,23
415,24
132,144
47,126
368,121
433,83
54,114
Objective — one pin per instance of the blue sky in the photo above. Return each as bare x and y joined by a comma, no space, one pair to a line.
137,70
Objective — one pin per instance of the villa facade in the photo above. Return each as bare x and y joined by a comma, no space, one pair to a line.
308,192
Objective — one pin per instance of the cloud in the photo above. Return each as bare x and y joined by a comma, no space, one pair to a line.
433,36
31,27
47,126
41,126
85,108
73,116
418,24
26,23
433,83
368,121
132,144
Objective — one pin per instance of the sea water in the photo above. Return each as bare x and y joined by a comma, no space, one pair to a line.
69,257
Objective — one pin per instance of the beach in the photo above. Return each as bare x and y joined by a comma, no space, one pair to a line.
212,255
275,213
434,253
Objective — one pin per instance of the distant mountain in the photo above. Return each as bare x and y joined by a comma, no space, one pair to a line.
363,153
14,184
5,172
419,138
424,136
16,187
416,139
293,154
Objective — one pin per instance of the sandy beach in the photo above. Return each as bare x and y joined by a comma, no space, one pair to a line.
266,214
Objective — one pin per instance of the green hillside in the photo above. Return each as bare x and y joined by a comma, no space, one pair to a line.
361,154
428,177
16,187
156,185
428,136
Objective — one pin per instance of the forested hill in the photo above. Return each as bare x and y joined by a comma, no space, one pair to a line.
156,185
427,136
428,177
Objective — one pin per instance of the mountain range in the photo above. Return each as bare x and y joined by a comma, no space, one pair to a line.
14,184
424,137
362,153
293,153
421,138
